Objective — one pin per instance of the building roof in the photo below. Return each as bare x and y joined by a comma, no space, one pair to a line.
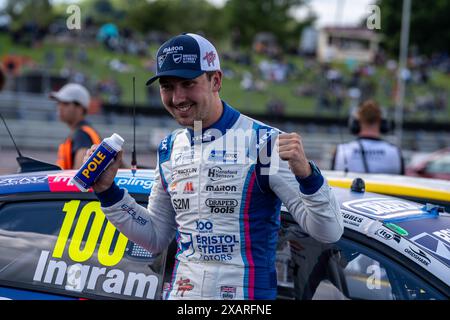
352,32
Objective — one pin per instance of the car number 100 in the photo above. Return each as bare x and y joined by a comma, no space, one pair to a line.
92,211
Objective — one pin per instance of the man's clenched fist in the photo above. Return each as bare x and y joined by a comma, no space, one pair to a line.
290,148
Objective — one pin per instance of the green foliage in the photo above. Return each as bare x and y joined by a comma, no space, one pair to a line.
429,26
252,17
104,11
246,101
27,11
176,16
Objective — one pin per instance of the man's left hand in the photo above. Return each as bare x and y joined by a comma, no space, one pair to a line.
290,148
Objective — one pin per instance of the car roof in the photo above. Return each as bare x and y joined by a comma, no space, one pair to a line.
396,185
389,219
59,181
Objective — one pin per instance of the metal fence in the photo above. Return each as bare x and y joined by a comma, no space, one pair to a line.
33,121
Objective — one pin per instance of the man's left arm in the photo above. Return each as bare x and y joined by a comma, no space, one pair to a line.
303,190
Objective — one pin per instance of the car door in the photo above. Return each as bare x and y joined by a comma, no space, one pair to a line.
58,246
352,268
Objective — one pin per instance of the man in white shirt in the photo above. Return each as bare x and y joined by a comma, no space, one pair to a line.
368,153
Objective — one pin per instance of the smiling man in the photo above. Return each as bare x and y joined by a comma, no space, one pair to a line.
219,184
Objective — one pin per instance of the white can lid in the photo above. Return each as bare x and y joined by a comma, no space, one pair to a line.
116,141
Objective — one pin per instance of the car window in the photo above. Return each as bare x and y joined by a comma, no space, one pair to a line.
310,270
371,275
69,248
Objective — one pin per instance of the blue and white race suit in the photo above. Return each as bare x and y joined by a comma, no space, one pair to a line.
223,205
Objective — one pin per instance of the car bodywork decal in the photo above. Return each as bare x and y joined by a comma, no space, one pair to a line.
410,249
384,208
138,183
21,294
78,258
24,184
433,236
60,182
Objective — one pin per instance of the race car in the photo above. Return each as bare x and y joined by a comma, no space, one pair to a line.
55,243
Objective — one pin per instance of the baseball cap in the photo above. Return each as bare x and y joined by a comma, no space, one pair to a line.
72,92
187,55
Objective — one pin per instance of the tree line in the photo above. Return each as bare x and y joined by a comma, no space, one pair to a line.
239,21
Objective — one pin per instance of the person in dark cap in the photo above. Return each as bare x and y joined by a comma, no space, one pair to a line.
222,200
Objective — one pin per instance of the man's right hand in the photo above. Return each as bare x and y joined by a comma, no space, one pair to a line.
106,179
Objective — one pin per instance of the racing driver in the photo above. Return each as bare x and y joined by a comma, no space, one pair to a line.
219,184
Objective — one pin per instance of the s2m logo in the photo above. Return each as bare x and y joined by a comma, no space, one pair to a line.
79,253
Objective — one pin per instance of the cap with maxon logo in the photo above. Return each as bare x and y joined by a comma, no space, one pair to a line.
185,56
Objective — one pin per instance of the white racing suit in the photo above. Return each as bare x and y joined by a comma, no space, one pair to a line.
223,205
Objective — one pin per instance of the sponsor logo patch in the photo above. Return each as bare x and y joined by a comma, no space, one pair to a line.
186,157
223,156
204,226
6,182
221,205
189,58
164,142
227,292
217,173
435,243
161,60
173,49
133,213
184,173
221,188
181,204
177,57
135,181
352,219
210,57
188,188
216,247
183,285
418,255
387,235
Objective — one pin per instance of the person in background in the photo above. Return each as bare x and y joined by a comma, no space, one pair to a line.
73,103
368,153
